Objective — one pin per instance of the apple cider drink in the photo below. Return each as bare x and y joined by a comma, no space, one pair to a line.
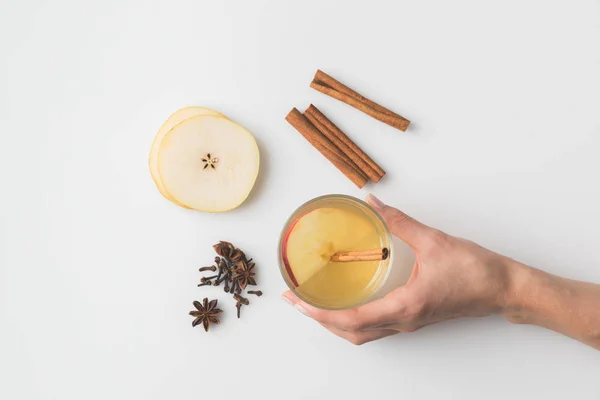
320,228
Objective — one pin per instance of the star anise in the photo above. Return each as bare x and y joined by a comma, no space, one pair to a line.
206,313
244,274
224,249
237,255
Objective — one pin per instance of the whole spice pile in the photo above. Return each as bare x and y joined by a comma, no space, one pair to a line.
235,271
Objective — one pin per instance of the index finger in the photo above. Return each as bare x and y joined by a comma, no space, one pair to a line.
376,313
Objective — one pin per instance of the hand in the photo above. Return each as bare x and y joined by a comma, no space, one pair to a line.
451,278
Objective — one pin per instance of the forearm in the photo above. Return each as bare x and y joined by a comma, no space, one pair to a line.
563,305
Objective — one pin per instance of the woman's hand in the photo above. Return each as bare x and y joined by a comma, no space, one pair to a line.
451,278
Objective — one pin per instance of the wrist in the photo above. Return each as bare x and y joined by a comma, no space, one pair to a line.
522,282
565,306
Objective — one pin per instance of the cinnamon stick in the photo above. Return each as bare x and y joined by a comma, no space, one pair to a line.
362,255
336,142
329,145
325,147
331,87
339,138
327,142
321,76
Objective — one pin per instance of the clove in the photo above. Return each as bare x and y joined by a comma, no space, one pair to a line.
207,278
240,299
226,288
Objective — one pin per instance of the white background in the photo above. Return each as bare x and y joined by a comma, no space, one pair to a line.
98,271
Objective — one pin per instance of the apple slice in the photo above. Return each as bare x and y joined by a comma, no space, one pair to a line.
316,236
208,163
175,118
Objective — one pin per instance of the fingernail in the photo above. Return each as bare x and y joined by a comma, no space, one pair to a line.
287,300
301,309
375,202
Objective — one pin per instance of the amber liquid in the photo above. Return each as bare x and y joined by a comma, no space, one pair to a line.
325,231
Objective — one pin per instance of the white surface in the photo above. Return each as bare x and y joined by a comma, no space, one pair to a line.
98,271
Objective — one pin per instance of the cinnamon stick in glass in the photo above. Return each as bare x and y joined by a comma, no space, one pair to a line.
325,147
346,145
331,87
362,255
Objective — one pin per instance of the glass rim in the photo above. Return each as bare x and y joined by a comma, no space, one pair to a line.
387,235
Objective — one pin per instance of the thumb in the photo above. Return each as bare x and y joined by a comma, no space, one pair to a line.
401,225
